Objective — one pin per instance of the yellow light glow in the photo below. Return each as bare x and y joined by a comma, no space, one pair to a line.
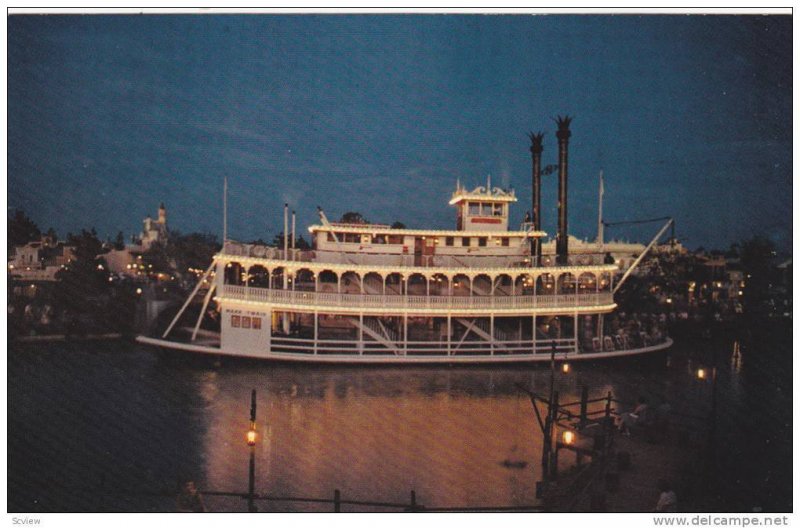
565,368
251,437
138,291
701,373
568,438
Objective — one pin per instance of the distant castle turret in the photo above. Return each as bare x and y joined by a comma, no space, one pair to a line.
155,232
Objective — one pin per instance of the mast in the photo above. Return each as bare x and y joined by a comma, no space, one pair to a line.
293,234
285,230
224,211
600,214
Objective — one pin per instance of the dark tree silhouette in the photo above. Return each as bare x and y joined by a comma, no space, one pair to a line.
352,217
21,230
300,242
119,242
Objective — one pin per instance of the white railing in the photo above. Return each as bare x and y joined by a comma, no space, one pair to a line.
237,249
541,347
351,301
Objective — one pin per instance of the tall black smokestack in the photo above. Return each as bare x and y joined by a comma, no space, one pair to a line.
563,134
536,196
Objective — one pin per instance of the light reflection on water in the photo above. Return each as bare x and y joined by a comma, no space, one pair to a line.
375,437
376,434
119,416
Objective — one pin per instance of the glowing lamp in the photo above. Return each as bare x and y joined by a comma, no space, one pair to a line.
701,374
565,368
251,437
138,291
567,438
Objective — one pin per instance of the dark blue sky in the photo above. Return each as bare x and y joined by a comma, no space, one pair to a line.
689,116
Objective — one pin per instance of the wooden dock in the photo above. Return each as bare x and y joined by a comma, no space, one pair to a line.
627,481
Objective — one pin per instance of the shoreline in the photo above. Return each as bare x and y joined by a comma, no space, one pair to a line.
64,337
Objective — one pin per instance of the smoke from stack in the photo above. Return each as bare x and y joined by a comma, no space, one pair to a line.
563,134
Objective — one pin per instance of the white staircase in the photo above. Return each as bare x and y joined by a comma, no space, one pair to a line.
481,329
376,330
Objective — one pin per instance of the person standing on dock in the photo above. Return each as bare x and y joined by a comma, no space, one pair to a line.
190,500
668,500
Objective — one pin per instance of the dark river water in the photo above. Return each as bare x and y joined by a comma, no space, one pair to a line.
115,426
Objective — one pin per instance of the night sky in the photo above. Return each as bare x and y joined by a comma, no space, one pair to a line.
688,116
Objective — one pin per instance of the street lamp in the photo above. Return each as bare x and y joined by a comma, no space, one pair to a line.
251,441
567,438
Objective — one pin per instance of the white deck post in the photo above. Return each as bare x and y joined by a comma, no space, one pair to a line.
491,331
361,333
316,330
405,333
576,332
449,332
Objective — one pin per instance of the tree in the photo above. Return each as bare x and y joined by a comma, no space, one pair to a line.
22,230
352,217
193,250
119,242
299,243
85,277
157,259
757,255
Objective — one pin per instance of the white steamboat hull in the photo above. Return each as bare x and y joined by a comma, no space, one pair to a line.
355,359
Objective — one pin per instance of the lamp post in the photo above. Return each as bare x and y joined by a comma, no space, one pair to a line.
251,441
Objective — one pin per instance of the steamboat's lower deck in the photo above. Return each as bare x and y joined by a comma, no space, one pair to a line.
471,331
348,313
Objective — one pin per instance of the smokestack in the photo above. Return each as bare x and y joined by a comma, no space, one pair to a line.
536,196
563,134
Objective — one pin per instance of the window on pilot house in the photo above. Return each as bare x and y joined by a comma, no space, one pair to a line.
448,241
465,241
482,241
497,209
474,208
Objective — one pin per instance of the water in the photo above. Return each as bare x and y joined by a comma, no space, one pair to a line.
105,426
